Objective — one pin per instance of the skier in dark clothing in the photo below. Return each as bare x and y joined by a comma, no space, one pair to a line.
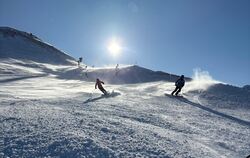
79,61
179,84
100,87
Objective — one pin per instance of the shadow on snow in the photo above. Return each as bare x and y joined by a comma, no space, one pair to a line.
235,119
113,94
21,78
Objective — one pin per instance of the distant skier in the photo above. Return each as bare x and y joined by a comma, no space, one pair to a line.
100,87
79,61
116,69
179,84
117,66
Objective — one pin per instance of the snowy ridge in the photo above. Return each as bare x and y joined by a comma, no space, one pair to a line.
228,93
21,45
124,75
50,108
25,52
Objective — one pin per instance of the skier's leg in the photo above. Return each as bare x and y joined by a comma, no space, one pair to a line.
176,88
103,90
179,89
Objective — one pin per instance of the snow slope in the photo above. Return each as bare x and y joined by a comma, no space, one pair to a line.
21,45
23,53
124,75
51,109
45,116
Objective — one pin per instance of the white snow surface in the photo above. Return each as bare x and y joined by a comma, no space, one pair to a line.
22,45
54,111
49,108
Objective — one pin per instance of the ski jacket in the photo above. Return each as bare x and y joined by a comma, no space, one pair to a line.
99,84
180,82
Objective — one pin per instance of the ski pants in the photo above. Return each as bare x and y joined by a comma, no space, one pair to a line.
177,90
103,90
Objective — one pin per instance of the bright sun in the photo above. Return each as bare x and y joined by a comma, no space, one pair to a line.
114,47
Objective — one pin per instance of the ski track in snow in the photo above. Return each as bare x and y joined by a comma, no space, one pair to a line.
49,117
48,109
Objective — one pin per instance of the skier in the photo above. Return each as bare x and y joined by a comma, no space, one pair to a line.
116,69
179,84
79,61
99,84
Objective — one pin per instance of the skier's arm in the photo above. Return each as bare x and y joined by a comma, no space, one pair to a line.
102,82
176,81
95,85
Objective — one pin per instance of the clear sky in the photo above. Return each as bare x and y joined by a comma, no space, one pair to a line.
175,36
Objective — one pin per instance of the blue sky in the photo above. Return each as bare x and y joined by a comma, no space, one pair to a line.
175,36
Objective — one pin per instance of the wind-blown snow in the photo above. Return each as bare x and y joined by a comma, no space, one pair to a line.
52,110
201,80
44,116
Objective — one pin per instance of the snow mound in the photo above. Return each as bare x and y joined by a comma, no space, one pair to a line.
214,92
246,87
233,97
25,46
124,75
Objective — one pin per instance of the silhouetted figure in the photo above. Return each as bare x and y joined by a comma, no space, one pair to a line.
86,73
116,69
99,84
179,84
79,61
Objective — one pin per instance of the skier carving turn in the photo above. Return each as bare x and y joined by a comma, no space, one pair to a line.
100,87
179,84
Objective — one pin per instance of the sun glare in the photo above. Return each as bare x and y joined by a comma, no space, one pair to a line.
114,47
